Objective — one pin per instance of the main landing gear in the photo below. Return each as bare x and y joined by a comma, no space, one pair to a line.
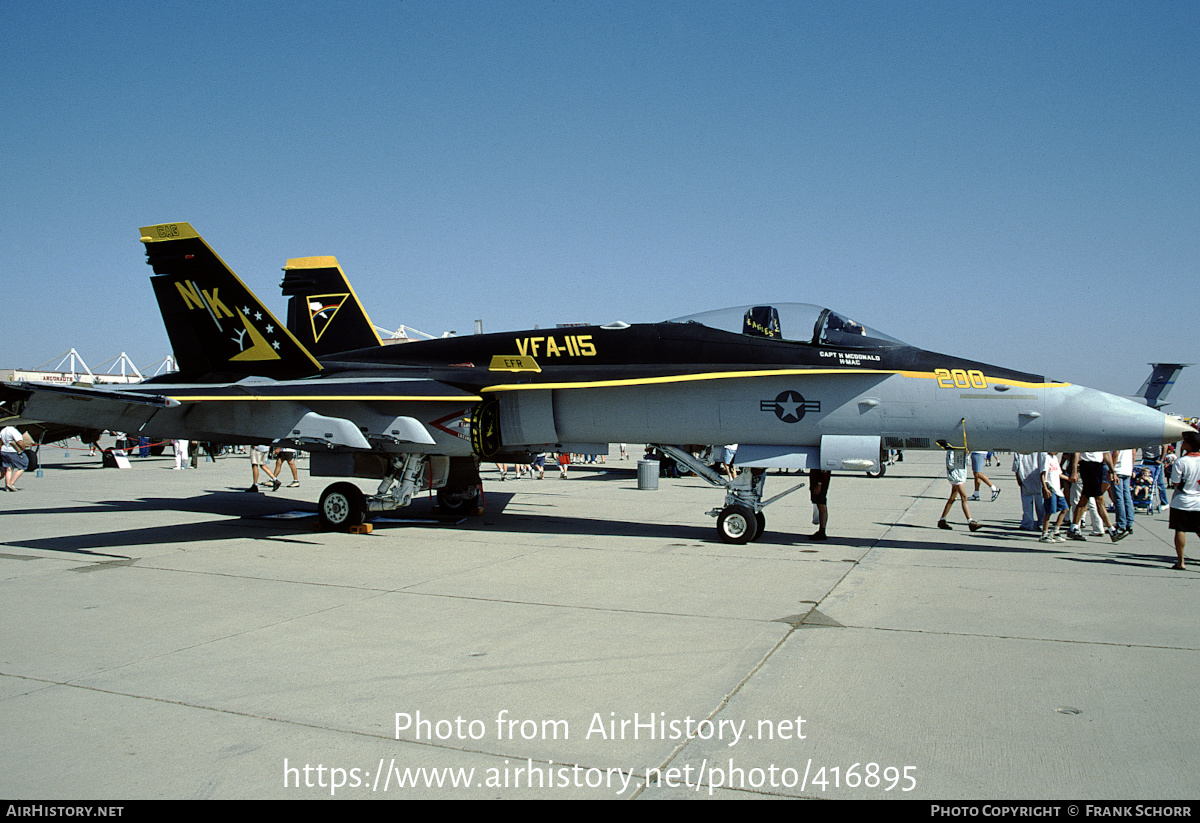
741,520
343,505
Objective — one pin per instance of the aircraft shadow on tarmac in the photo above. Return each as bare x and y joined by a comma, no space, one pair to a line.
257,516
1151,561
251,516
966,546
228,501
181,533
1103,549
246,515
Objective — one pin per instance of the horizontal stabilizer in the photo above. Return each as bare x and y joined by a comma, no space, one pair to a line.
88,393
90,408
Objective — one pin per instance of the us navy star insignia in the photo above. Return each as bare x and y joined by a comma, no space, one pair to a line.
790,406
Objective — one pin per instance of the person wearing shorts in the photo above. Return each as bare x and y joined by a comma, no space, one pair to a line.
1185,502
287,456
978,462
258,459
1094,468
12,457
956,472
818,492
1054,500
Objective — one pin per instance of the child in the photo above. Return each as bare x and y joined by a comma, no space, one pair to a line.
1143,489
1056,502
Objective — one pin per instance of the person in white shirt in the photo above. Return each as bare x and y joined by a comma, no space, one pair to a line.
1122,490
1027,469
12,457
1056,503
1185,502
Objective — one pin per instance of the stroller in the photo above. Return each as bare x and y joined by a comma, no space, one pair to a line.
1143,488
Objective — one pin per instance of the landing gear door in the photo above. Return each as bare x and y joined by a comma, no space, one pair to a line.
849,452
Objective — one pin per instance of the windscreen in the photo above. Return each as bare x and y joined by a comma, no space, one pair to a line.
798,322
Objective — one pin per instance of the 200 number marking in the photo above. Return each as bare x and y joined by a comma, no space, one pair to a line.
959,379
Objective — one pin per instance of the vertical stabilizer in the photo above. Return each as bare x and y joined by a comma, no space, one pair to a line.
216,324
1162,377
323,312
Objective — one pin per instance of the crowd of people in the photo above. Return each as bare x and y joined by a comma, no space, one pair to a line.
536,468
1060,491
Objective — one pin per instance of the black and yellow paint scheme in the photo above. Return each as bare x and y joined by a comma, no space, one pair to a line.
323,311
795,385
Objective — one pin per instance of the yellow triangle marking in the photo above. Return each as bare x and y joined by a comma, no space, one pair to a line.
259,349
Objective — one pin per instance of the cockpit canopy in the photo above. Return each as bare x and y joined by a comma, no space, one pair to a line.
797,322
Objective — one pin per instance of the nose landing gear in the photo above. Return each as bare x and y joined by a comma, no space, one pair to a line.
741,520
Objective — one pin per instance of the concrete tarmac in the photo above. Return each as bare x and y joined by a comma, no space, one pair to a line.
164,637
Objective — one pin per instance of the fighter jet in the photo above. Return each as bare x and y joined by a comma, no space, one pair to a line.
795,385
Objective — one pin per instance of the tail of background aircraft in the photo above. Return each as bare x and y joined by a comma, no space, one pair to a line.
323,312
218,328
1162,377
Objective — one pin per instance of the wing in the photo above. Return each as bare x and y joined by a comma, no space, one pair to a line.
372,414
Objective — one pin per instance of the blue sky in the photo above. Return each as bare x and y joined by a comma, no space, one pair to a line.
1011,182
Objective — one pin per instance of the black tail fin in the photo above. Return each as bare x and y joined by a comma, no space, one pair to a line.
1154,391
218,328
324,313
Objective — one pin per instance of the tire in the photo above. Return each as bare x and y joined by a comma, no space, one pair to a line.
737,524
342,507
458,503
760,525
879,471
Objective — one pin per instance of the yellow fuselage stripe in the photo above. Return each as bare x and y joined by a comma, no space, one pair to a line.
686,378
308,398
634,381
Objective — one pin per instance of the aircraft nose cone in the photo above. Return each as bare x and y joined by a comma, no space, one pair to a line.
1173,430
1082,419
